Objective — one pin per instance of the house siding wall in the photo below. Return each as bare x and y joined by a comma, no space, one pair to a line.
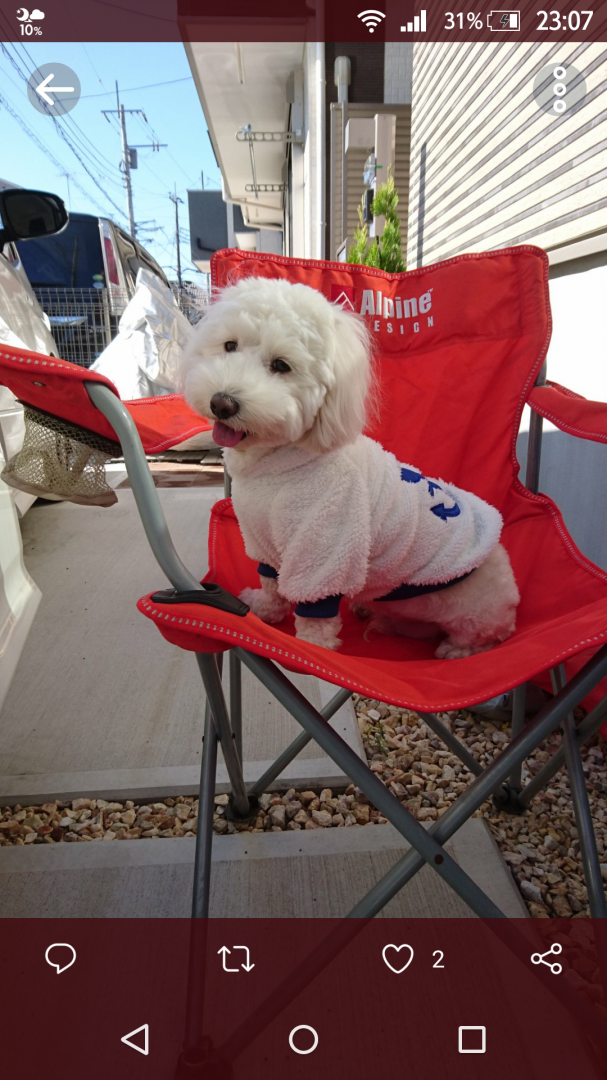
489,167
398,72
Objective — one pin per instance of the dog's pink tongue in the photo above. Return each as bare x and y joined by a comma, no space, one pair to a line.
226,436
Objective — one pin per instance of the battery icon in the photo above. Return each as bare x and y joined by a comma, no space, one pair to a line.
504,20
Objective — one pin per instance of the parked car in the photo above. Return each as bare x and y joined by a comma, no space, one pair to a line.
22,320
23,214
84,278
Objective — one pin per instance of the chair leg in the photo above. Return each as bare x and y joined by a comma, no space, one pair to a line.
215,696
581,807
204,834
451,821
589,727
194,1039
508,798
483,786
296,746
194,1034
236,701
358,771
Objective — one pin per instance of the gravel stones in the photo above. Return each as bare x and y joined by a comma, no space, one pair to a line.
531,892
84,820
541,847
278,816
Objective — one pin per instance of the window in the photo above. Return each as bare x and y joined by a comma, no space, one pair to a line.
72,259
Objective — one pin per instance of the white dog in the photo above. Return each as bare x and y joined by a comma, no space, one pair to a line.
326,511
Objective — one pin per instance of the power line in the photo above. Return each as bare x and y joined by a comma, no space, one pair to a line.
129,154
176,200
149,86
45,150
173,159
62,134
88,56
80,137
83,149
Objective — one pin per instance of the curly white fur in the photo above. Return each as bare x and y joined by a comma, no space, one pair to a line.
298,372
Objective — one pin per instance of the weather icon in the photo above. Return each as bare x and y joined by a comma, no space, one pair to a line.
23,15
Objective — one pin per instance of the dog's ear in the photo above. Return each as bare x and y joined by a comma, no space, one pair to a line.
344,412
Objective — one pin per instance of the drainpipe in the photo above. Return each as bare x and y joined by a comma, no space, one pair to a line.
342,76
321,136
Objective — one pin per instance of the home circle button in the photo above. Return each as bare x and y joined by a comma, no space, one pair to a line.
303,1027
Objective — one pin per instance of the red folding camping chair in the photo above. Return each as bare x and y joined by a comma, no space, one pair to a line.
462,345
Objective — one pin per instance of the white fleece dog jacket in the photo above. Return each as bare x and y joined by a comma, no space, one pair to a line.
355,521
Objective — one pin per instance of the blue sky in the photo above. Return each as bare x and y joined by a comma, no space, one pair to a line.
174,116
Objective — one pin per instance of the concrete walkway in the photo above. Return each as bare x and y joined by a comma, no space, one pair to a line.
101,704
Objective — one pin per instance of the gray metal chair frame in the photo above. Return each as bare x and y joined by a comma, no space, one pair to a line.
223,723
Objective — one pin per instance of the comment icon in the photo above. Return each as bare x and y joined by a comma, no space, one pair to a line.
59,959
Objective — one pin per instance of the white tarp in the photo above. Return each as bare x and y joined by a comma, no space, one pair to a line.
143,360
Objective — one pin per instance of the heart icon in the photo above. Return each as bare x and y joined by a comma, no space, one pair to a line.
397,970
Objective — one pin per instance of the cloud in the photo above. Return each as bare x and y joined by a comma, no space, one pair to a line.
37,14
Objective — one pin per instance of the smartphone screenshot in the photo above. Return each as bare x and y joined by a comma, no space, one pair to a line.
303,556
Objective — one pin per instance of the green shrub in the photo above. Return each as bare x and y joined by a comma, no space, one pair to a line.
384,252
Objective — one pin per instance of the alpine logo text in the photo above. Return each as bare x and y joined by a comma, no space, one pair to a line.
395,314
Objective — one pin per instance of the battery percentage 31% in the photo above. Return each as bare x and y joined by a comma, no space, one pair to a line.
459,20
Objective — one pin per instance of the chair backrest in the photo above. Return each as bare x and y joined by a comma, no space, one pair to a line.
459,347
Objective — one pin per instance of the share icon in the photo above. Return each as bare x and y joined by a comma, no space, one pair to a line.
540,958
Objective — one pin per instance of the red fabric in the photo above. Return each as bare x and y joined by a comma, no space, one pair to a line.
58,387
454,385
571,412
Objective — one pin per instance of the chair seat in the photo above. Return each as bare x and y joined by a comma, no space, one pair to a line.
562,618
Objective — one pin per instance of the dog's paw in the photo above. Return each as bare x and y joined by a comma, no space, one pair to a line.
361,611
268,606
448,650
319,631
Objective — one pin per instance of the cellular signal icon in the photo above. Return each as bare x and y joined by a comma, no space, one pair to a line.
371,18
418,26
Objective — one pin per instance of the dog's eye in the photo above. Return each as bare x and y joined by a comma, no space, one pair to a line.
279,365
231,346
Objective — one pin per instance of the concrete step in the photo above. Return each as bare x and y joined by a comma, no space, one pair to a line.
309,873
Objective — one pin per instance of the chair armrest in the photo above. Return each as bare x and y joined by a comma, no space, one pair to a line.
570,412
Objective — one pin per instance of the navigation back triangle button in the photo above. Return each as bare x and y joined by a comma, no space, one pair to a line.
145,1049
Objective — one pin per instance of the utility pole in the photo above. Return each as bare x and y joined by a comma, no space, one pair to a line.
68,176
121,112
176,200
126,168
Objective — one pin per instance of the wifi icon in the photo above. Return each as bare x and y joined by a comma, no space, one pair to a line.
371,18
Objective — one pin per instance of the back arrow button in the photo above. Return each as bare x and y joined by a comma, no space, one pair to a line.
145,1049
53,89
44,86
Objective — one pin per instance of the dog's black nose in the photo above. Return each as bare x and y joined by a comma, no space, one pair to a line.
223,406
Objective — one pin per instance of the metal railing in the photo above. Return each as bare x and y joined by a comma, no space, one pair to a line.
192,300
81,321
